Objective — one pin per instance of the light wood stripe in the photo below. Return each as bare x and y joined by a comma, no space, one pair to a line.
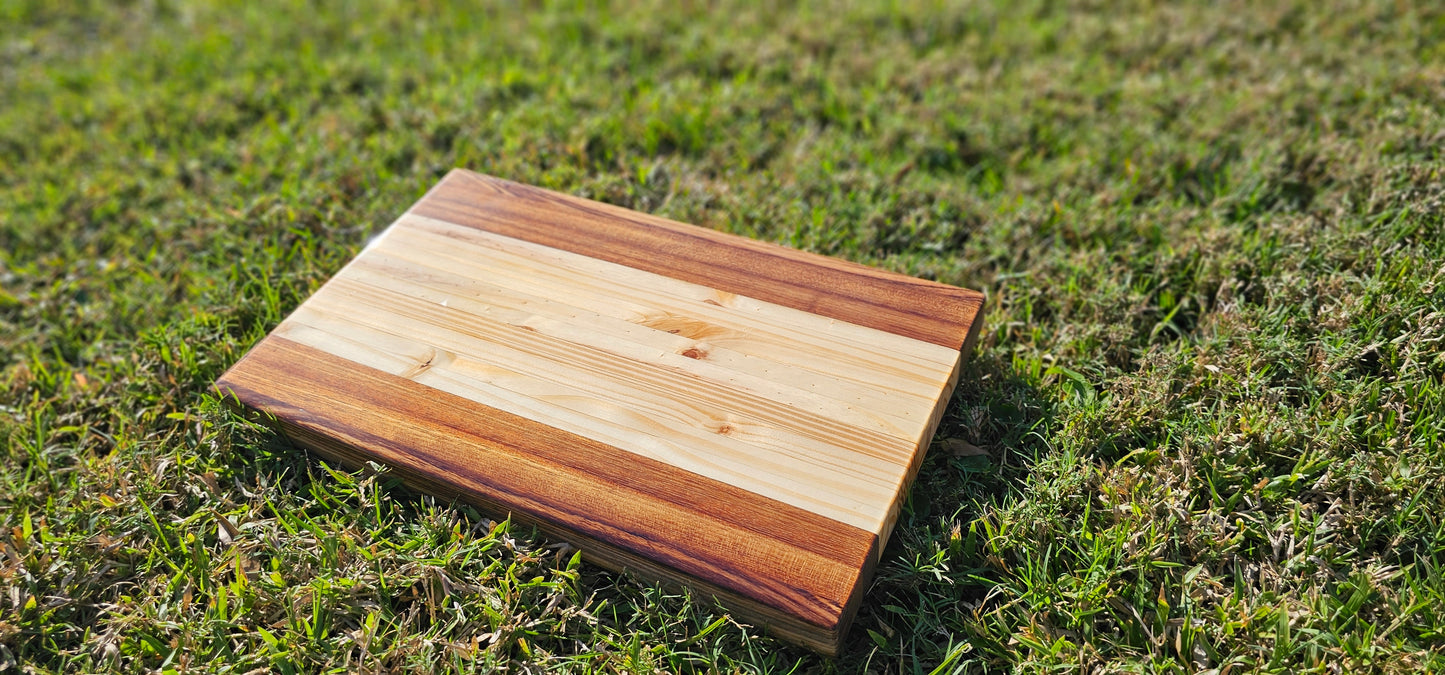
756,328
621,375
778,381
916,308
782,453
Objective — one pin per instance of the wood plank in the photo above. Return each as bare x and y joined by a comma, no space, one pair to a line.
756,328
747,455
693,406
916,308
891,410
785,564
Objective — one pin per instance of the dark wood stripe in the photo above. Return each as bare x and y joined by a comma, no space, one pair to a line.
786,567
838,289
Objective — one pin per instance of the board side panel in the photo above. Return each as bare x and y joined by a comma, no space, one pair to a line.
798,573
924,441
838,289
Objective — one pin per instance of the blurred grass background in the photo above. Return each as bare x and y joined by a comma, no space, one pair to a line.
1209,390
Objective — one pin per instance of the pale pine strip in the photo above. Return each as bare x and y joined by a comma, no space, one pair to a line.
905,482
840,400
612,376
651,287
778,476
867,355
900,386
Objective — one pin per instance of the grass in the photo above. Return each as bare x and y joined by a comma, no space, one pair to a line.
1211,387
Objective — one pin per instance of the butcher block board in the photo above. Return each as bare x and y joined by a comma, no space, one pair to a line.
694,406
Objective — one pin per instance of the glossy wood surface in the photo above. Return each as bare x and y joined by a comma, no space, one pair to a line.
697,407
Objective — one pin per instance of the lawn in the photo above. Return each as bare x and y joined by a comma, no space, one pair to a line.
1204,427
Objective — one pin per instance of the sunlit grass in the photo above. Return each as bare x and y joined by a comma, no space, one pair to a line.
1211,385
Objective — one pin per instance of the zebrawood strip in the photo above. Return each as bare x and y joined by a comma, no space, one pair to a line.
924,310
796,571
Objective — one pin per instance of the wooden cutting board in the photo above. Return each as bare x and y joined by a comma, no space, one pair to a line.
690,405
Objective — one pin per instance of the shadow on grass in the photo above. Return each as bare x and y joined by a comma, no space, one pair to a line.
933,573
668,619
930,572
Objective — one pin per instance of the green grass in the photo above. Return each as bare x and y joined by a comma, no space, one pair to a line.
1211,384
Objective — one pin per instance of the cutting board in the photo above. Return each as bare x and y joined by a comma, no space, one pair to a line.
696,407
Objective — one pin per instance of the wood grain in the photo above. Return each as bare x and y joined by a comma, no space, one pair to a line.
917,308
697,407
800,568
